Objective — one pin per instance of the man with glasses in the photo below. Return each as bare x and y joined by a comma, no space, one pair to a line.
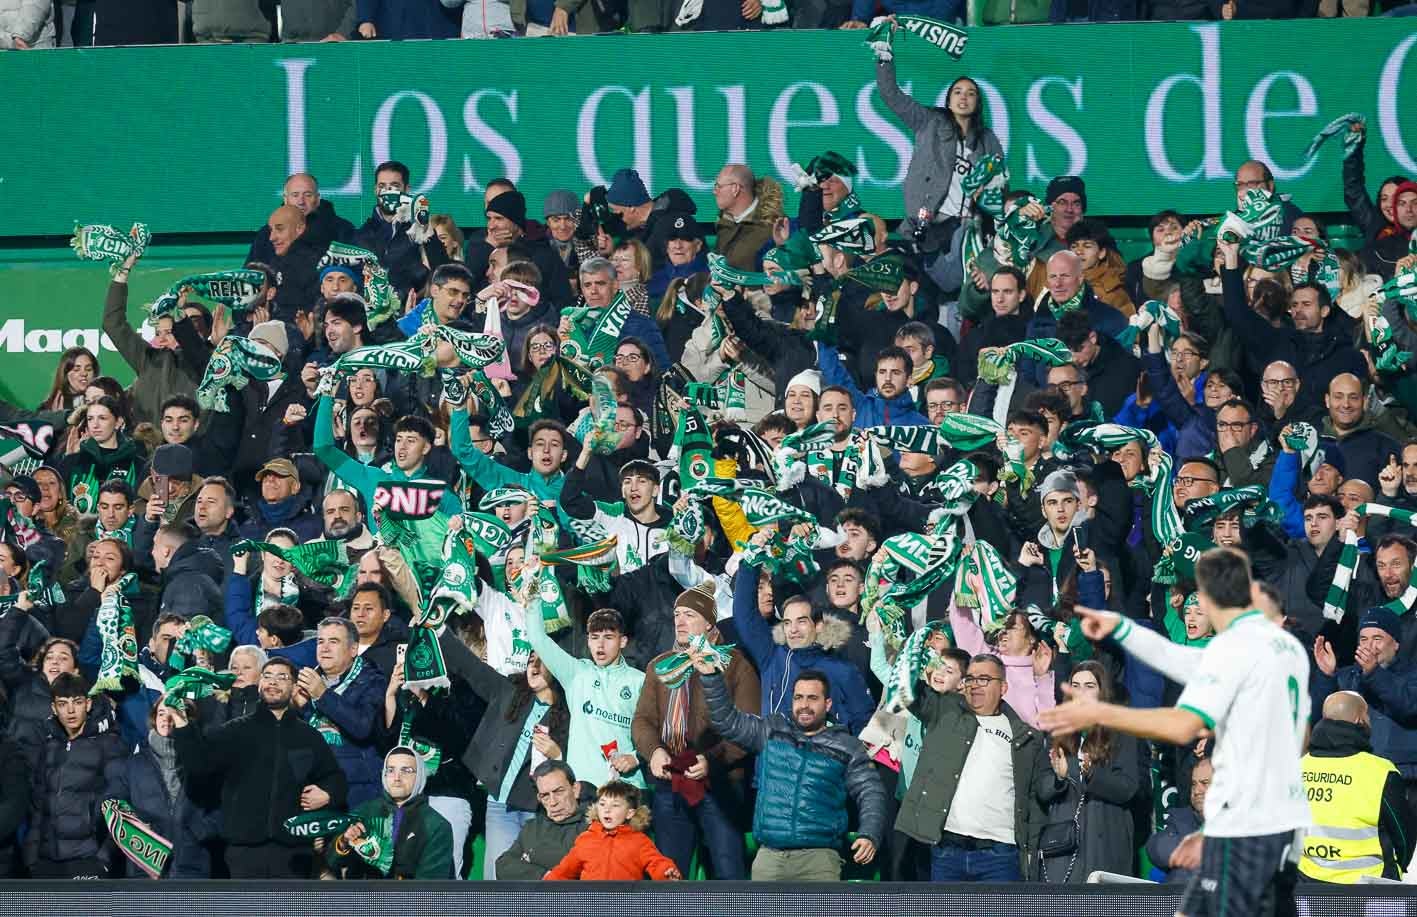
971,798
944,396
422,839
1247,457
1279,390
273,765
1072,385
1253,174
548,837
745,220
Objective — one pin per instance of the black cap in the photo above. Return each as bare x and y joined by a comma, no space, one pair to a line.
26,485
684,226
173,460
1066,184
511,205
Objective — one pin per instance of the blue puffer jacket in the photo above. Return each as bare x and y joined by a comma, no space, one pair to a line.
359,715
872,410
778,666
803,781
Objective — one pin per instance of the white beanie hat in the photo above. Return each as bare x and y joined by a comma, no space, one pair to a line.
807,378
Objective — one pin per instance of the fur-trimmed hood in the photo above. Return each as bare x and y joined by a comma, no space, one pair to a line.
833,633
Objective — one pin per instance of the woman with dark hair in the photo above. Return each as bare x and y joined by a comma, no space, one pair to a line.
1088,794
153,783
637,370
77,368
544,386
526,723
27,675
104,452
949,141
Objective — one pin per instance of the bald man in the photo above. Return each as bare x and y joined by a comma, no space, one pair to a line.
322,224
294,257
1367,442
1362,825
1067,292
1254,174
744,221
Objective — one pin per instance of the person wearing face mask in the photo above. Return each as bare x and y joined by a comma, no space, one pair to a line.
155,785
410,250
1362,819
422,839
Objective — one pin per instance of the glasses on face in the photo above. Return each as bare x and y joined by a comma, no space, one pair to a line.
1247,185
279,677
405,770
625,426
720,185
1273,384
1231,426
543,347
628,359
945,405
982,680
1185,354
1189,481
1066,387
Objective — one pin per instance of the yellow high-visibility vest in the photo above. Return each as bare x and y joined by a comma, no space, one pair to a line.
1345,797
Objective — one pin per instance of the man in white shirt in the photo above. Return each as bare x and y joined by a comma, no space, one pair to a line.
1251,682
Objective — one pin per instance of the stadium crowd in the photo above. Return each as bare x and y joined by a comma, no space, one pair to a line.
84,23
618,540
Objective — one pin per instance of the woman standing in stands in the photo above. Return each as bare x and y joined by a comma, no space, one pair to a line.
1088,794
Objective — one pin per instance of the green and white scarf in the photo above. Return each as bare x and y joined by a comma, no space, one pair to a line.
1252,502
1257,220
201,634
986,586
1017,237
853,235
1151,312
323,724
677,668
595,333
1336,602
430,752
1000,367
97,242
376,847
194,683
123,534
948,38
595,428
320,823
1178,561
235,363
1334,127
423,664
911,662
238,289
892,600
114,620
880,275
1071,304
143,846
727,275
325,561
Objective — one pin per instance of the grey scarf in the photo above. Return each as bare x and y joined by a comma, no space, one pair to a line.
166,754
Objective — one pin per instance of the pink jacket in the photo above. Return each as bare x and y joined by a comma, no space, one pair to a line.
1026,694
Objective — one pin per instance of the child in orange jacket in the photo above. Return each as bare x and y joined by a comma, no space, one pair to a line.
615,846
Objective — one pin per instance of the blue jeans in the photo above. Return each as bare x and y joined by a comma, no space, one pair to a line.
677,826
999,863
502,826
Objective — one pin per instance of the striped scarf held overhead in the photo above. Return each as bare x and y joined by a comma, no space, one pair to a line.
676,671
1336,601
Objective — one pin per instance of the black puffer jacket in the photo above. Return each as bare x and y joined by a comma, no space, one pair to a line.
66,787
14,802
20,638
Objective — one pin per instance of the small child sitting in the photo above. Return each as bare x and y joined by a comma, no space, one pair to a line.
615,846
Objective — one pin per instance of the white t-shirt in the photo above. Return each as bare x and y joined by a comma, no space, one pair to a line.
504,624
983,805
954,204
1252,690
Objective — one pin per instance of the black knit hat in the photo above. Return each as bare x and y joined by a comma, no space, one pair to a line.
510,204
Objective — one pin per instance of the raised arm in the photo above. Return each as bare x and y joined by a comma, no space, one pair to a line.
915,115
356,474
755,632
746,730
561,663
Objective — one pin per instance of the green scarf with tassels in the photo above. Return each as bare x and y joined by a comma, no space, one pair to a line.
98,242
595,332
114,620
234,364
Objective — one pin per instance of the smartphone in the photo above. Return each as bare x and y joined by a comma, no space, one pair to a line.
162,487
1080,539
399,652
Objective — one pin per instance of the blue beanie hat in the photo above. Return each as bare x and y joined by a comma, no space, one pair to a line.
346,270
627,189
1384,619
